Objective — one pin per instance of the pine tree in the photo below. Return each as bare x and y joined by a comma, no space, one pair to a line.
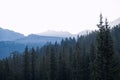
62,71
92,63
76,64
104,61
33,63
85,71
52,73
7,70
43,71
27,75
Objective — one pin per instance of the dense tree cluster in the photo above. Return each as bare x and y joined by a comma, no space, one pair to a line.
91,57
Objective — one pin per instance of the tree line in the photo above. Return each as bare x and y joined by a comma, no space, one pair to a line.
91,57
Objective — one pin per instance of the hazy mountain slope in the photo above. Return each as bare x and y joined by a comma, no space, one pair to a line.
8,35
7,47
56,33
115,22
38,39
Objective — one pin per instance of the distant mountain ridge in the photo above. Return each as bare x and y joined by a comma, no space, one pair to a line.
12,41
33,38
63,33
8,35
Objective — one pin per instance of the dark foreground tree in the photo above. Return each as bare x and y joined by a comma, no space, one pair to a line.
105,63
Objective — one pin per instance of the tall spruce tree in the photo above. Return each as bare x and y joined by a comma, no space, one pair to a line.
43,71
62,69
27,75
52,74
92,61
76,64
7,70
33,63
104,61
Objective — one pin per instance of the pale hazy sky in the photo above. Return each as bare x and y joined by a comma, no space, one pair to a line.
35,16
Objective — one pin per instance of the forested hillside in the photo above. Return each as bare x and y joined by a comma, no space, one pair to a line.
95,56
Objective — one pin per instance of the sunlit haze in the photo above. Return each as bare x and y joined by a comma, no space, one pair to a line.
36,16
